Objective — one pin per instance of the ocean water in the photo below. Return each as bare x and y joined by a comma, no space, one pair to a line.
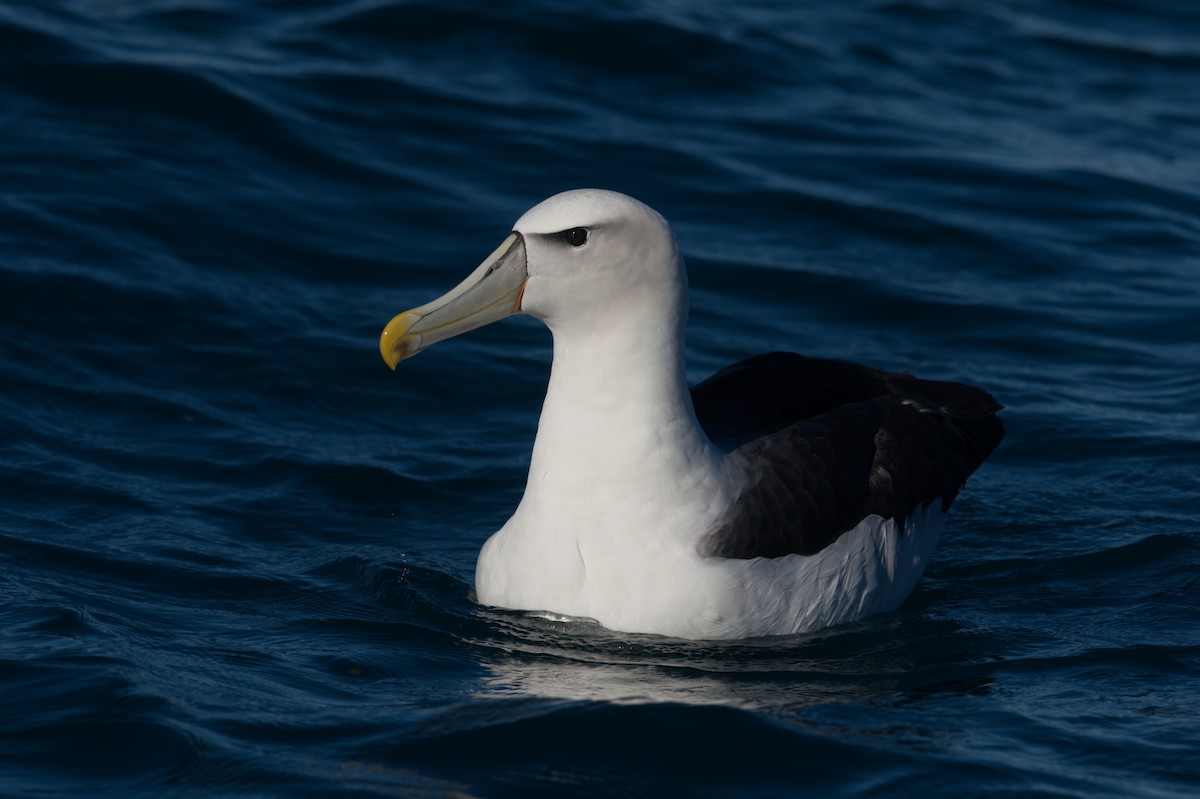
236,552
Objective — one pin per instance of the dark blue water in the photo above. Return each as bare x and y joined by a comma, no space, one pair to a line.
236,552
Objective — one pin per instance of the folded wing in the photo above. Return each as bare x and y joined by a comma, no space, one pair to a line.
819,444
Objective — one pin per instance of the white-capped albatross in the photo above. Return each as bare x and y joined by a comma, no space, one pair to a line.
780,495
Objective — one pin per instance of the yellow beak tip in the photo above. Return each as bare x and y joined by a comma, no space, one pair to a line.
392,340
390,357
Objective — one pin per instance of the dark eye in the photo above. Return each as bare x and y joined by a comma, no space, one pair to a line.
576,236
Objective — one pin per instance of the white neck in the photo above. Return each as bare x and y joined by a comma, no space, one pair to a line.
622,481
618,451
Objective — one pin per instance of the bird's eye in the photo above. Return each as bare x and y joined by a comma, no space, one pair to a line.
576,236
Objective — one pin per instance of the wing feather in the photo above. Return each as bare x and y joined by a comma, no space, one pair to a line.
821,444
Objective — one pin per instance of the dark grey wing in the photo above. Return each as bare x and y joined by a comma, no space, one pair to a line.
775,390
822,444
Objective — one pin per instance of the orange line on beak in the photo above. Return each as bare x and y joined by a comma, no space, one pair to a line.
520,296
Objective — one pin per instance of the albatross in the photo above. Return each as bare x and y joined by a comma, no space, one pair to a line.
781,495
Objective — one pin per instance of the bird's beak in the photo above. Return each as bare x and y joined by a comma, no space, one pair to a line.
493,291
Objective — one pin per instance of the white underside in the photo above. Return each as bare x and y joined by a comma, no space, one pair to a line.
868,570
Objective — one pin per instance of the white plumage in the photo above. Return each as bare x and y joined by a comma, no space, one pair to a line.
626,490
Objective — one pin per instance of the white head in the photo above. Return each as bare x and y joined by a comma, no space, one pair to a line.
581,260
594,253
